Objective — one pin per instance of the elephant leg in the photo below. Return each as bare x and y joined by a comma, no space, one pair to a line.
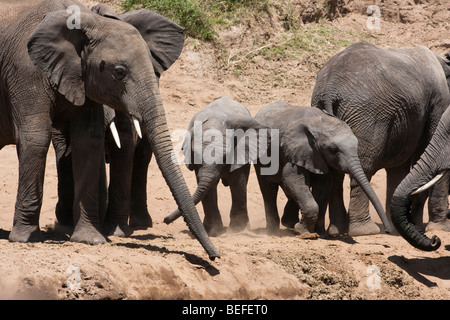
32,149
438,205
321,189
64,206
339,220
269,191
296,184
393,178
88,165
139,216
238,180
360,221
121,170
212,221
290,214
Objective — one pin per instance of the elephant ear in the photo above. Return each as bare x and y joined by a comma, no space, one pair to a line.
298,143
56,50
164,38
245,138
105,11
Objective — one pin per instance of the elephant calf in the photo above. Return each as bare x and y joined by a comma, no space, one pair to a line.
312,144
216,147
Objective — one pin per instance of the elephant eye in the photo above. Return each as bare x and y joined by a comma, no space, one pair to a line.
120,72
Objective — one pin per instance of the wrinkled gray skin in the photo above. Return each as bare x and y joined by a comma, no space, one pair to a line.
435,160
314,147
392,100
126,208
222,114
53,75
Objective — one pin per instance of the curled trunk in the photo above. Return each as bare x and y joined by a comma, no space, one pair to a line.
155,123
434,159
401,208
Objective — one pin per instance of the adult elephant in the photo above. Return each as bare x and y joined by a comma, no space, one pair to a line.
311,145
392,100
219,145
433,163
60,63
128,152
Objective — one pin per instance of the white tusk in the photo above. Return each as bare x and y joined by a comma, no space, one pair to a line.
137,126
68,151
115,134
428,184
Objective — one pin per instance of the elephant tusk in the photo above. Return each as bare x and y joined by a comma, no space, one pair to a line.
115,134
428,184
138,127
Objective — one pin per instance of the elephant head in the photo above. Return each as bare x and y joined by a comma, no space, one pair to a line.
112,61
318,143
424,173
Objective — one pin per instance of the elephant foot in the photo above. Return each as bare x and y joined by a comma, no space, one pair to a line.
289,221
363,229
141,221
239,224
336,230
305,231
441,225
118,231
88,235
24,233
214,229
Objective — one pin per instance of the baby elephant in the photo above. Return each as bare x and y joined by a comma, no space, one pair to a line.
219,144
312,144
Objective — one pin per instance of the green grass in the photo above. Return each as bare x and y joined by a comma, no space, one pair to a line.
315,38
186,13
313,42
200,18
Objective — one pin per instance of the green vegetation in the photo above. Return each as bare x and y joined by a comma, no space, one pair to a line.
200,18
313,42
311,39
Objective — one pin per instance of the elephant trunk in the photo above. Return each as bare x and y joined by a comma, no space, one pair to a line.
207,177
356,172
401,206
155,123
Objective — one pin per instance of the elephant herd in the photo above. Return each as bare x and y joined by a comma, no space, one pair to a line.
92,90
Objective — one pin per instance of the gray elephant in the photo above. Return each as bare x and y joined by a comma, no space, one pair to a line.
129,153
312,146
431,166
60,63
392,100
218,147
